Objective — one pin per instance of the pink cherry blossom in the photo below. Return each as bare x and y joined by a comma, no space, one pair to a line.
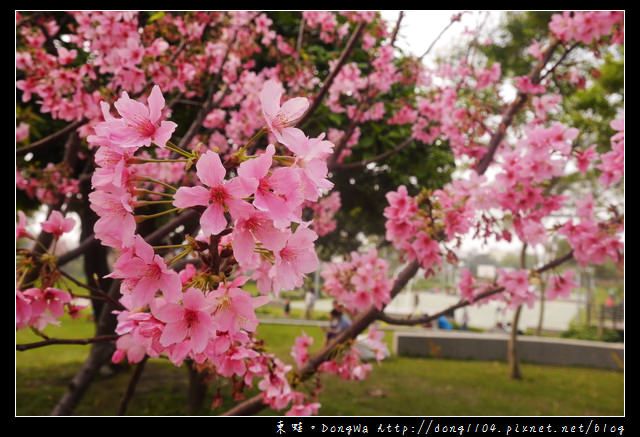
116,226
21,226
586,157
517,289
66,56
324,211
51,299
535,49
255,228
218,197
304,409
57,225
140,124
375,343
311,161
525,85
613,162
561,285
277,191
144,273
358,282
133,346
23,310
190,320
294,260
275,388
299,351
234,308
280,119
22,132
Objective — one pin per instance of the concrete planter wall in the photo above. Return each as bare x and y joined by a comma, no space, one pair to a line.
490,347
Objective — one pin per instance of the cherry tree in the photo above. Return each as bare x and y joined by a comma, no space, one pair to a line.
200,149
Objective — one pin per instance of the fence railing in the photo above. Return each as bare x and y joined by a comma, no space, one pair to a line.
611,317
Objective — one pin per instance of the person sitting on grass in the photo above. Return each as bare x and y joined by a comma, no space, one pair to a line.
338,322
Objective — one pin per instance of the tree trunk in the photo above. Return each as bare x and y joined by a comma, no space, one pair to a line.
197,389
99,354
543,286
512,353
512,349
95,258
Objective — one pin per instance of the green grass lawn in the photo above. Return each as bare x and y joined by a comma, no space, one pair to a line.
399,386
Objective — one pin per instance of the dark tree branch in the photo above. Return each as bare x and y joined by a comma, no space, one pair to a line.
255,404
79,341
513,109
48,140
394,35
332,75
376,158
84,245
462,303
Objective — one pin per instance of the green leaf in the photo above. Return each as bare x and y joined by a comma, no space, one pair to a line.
158,15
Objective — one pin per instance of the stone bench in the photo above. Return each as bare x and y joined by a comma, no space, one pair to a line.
493,347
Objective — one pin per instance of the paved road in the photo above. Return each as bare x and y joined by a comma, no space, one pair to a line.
558,314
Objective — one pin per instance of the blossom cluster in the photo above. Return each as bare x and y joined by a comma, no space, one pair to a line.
588,26
45,304
359,282
324,211
250,217
49,185
349,365
411,231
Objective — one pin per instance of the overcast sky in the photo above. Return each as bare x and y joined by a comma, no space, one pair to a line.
419,28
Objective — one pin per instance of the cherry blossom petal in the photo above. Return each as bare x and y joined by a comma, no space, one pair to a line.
213,221
164,132
187,197
294,108
210,169
156,104
168,313
270,96
131,109
174,333
194,300
243,245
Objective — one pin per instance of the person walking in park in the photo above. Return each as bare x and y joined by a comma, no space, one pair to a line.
287,307
309,301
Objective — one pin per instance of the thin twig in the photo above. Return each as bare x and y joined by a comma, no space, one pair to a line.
131,388
300,35
433,43
102,294
562,58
